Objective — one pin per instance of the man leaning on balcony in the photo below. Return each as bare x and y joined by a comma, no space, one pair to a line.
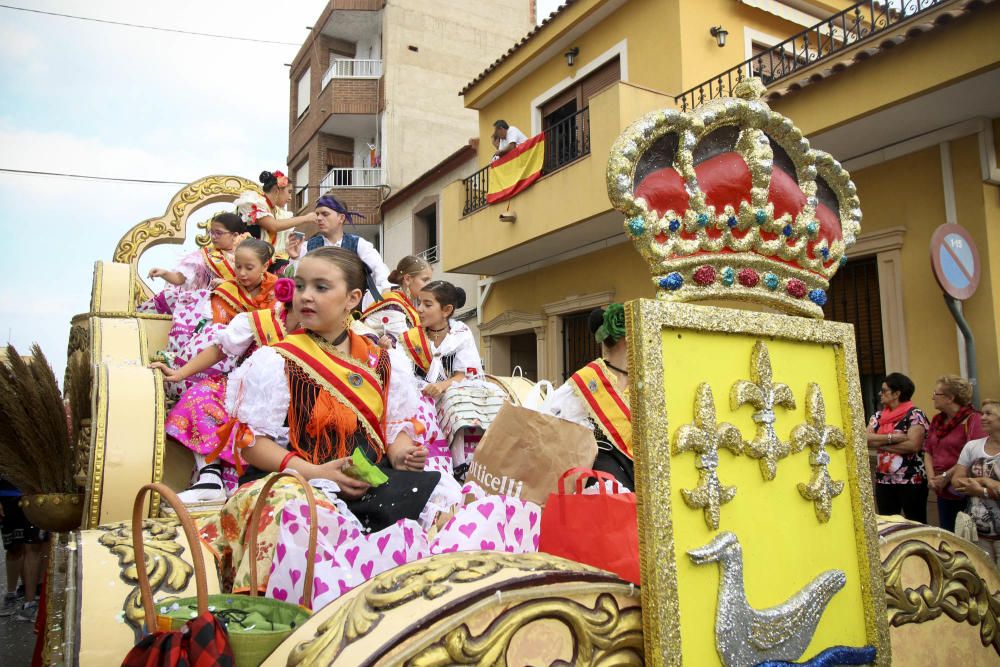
506,138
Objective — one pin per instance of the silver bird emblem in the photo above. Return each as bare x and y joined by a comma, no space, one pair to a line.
745,636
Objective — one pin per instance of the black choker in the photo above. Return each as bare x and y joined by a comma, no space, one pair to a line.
444,328
336,341
613,367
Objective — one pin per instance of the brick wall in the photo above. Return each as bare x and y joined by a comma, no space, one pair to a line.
342,96
363,200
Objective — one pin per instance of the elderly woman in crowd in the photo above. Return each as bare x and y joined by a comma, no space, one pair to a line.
955,424
896,433
977,475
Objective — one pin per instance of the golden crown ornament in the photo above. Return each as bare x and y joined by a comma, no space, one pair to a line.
728,201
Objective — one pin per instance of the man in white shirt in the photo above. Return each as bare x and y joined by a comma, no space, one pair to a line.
509,137
330,218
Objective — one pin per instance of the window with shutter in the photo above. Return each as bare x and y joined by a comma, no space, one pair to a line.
302,185
302,92
854,298
579,346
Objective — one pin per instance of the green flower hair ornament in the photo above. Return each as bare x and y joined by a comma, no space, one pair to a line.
613,327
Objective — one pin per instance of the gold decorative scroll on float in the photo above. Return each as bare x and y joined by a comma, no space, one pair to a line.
756,519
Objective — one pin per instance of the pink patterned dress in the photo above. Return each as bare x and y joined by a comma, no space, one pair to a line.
201,410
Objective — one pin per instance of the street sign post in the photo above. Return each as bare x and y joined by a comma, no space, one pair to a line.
955,261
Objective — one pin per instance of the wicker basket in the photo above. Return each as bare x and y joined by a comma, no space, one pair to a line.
250,646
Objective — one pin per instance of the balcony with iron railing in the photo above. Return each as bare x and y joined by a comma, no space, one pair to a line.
567,208
353,177
565,142
352,68
847,29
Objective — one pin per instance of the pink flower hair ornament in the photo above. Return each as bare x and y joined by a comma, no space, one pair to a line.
284,290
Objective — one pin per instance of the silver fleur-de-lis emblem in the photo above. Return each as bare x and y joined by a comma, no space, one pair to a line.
705,438
762,393
817,435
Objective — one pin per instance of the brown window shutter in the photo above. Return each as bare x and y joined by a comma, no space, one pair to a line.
605,75
339,159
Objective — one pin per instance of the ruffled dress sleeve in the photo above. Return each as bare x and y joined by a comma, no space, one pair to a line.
196,274
466,354
404,398
257,394
236,337
251,206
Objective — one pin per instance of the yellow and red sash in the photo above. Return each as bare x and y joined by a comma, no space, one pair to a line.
605,404
236,297
353,382
394,300
268,328
218,264
418,348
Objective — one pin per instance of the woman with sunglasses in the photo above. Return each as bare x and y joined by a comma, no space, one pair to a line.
896,433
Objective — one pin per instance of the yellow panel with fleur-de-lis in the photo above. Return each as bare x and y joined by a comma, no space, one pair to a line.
750,442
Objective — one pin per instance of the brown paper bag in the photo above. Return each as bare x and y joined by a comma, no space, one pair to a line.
524,452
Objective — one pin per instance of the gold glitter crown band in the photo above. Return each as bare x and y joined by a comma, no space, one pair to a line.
729,202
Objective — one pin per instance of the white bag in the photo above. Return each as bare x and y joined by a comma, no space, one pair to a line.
536,397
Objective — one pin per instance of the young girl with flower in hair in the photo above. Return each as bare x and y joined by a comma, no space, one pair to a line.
597,396
307,403
199,317
266,217
396,313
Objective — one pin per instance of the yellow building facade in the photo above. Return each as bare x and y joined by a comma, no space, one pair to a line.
906,98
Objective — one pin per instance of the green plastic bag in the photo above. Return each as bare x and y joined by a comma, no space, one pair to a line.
362,469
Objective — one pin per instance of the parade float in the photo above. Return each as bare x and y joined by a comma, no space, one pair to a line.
758,538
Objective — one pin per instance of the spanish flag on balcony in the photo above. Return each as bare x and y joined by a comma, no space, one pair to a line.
516,170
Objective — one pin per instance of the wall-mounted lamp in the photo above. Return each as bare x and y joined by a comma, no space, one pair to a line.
720,34
571,55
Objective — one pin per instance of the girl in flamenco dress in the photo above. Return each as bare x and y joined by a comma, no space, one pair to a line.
307,402
396,313
202,269
199,419
199,315
266,216
597,396
441,352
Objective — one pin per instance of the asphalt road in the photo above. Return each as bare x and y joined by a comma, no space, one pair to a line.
17,638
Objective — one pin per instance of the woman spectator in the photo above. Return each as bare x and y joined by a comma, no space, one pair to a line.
955,424
977,475
896,433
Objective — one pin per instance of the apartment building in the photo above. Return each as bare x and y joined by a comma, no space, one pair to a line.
373,101
904,94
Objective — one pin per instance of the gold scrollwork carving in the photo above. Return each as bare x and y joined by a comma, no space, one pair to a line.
604,635
167,570
429,578
955,589
171,226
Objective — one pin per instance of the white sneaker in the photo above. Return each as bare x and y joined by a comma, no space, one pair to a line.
208,490
28,612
